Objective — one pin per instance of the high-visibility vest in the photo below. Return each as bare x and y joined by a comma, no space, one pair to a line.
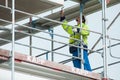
84,32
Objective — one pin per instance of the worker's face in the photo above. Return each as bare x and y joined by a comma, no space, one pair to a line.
78,19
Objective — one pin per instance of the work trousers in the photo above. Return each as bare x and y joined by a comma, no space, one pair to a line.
77,62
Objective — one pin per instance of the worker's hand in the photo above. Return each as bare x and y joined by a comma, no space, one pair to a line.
62,16
62,13
76,30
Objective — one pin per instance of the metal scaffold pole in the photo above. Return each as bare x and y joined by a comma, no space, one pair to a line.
6,3
81,51
52,42
30,38
52,45
30,45
104,41
13,40
51,30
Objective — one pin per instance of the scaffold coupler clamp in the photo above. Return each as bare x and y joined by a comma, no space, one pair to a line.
105,19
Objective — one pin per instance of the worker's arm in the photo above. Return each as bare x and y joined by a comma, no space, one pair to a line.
67,28
65,25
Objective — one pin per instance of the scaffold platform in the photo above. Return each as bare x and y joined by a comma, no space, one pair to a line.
39,7
44,68
71,12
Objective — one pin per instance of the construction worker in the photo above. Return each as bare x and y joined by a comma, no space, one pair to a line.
76,32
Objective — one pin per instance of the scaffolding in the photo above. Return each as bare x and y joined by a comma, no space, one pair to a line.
57,71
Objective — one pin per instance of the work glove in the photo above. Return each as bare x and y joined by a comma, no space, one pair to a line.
76,30
62,16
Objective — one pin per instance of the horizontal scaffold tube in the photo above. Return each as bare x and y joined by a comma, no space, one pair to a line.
23,12
53,40
48,32
42,49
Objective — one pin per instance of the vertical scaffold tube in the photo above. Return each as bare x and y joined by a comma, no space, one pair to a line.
30,45
81,51
6,3
13,40
30,38
104,31
52,45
